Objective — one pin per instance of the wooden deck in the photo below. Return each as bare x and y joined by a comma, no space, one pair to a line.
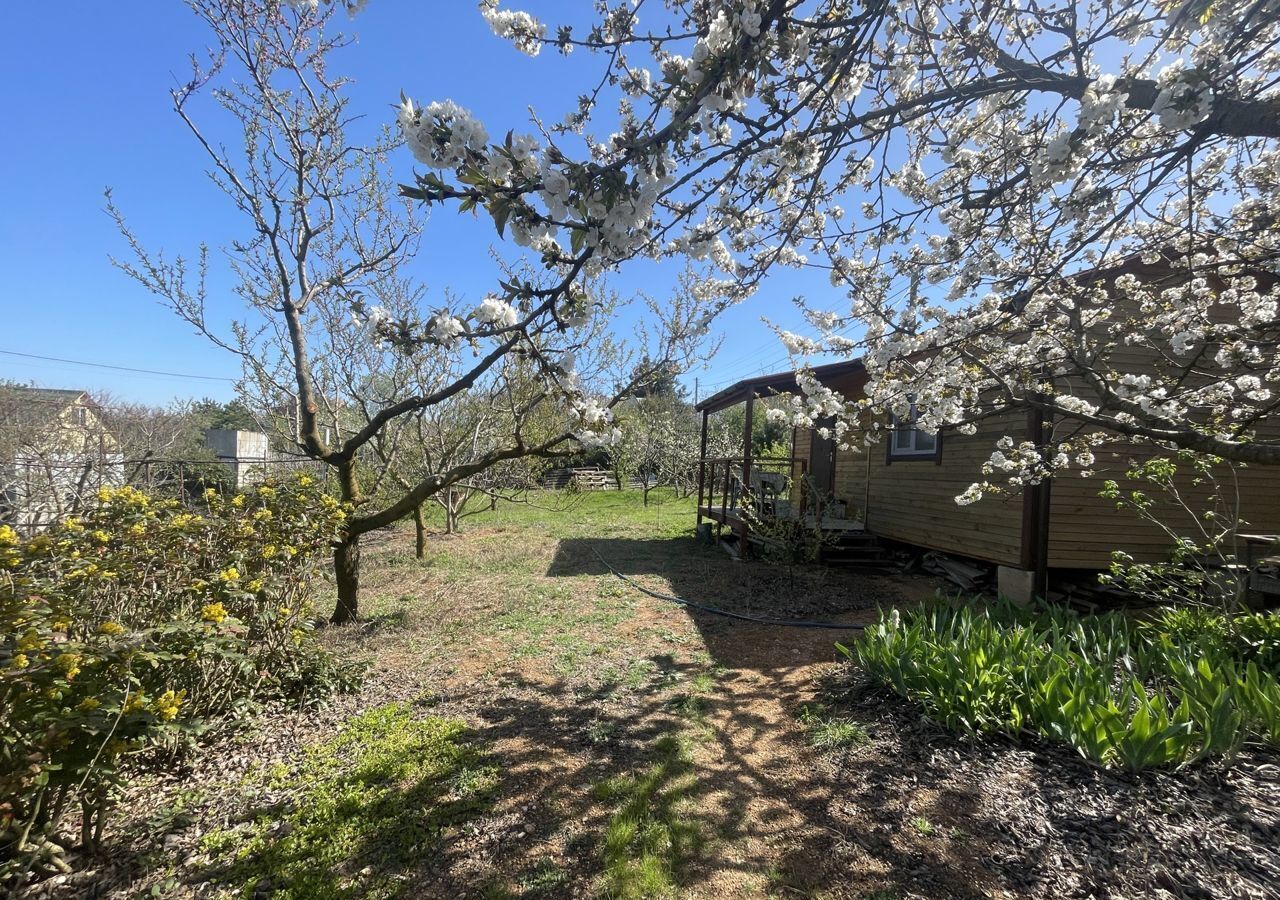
773,483
846,542
732,516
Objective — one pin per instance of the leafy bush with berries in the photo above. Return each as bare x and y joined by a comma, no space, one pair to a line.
132,629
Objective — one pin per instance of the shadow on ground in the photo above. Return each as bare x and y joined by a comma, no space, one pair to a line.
707,576
758,814
676,756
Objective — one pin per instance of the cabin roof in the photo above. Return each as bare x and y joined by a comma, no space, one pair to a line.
777,383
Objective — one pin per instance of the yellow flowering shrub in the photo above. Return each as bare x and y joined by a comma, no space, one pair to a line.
128,631
213,612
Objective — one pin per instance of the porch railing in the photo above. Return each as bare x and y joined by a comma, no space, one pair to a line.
721,482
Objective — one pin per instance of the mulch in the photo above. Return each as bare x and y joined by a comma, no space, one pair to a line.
1033,819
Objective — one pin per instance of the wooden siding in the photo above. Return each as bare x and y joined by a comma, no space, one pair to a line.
913,501
1084,529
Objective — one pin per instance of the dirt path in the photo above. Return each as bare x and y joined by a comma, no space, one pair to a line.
575,707
890,808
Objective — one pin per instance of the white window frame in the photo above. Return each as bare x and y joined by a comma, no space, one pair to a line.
914,436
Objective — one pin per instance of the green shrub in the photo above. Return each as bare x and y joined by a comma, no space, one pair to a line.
128,631
1167,692
966,669
1259,700
1247,637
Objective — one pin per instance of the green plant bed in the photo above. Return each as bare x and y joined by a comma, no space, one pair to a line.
1136,695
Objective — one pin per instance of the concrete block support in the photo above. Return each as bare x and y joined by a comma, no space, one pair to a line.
1018,585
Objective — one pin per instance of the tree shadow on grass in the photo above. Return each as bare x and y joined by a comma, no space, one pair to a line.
687,780
665,792
362,813
706,576
392,620
639,791
921,812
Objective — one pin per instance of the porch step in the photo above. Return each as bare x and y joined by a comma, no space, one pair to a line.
856,549
873,560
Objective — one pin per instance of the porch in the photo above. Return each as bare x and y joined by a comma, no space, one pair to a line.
780,488
753,499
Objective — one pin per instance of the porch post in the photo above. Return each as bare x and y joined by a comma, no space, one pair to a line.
702,465
1036,502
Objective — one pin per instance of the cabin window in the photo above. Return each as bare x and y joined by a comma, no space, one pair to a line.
908,442
81,415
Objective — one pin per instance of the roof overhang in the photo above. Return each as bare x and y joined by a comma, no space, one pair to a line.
778,383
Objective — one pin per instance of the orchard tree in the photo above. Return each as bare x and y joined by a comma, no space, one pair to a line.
1019,201
659,442
333,330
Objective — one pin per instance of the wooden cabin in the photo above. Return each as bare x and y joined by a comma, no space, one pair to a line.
903,489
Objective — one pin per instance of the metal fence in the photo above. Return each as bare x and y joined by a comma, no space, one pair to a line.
37,492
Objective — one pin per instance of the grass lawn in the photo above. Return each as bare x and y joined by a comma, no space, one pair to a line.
530,726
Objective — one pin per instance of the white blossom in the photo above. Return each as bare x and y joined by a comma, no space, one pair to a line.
495,311
446,329
1025,242
1184,98
522,29
441,135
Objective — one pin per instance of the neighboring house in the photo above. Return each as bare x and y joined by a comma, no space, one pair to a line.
55,452
903,488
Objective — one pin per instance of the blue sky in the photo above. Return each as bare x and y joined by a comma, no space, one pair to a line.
85,93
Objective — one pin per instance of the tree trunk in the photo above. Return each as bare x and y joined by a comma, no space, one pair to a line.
420,530
346,555
454,502
346,571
